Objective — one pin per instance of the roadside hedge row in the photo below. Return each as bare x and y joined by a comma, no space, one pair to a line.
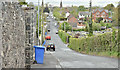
63,35
96,44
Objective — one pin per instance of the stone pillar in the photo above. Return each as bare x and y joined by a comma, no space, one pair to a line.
13,36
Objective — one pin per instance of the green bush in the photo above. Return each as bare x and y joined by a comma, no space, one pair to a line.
78,29
96,27
63,35
86,28
102,23
101,44
108,25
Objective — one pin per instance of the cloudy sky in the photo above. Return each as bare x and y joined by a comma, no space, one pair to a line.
77,2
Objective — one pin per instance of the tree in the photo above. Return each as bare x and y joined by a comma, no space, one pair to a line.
56,13
74,11
115,17
81,8
109,7
67,26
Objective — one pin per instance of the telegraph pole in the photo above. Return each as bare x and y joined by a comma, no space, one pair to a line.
42,22
90,24
38,21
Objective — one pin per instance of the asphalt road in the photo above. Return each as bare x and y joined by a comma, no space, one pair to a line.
70,59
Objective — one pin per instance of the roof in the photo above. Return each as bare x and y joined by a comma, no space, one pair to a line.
70,16
99,10
72,21
84,13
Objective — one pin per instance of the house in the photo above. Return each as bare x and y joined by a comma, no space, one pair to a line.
67,13
84,14
74,22
80,24
96,13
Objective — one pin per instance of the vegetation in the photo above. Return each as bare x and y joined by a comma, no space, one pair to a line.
63,35
108,25
109,7
81,8
115,17
98,20
78,29
102,23
67,26
56,13
22,2
96,27
105,44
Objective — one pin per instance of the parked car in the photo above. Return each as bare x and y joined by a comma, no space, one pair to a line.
48,30
57,32
48,37
50,46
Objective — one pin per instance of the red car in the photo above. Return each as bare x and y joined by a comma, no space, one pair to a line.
48,37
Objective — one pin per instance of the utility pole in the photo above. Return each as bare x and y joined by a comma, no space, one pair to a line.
42,24
90,24
38,21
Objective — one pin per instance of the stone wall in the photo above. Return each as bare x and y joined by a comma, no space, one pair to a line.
16,40
30,23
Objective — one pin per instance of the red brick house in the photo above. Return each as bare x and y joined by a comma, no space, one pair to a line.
101,13
74,22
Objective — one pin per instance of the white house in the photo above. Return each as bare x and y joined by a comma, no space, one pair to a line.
67,14
84,14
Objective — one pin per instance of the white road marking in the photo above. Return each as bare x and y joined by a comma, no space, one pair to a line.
58,66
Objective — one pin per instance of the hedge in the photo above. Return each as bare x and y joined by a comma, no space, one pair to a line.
63,35
104,44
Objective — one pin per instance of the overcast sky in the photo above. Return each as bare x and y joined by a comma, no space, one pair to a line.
77,2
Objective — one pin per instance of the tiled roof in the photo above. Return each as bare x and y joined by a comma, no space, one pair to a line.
99,10
84,13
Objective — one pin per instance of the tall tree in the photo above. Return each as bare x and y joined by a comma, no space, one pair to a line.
109,7
81,8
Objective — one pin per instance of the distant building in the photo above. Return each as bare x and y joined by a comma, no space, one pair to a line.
74,22
96,13
83,14
67,13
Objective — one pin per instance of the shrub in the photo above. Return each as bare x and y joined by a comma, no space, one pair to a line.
63,35
78,29
86,28
96,44
96,27
108,25
102,23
